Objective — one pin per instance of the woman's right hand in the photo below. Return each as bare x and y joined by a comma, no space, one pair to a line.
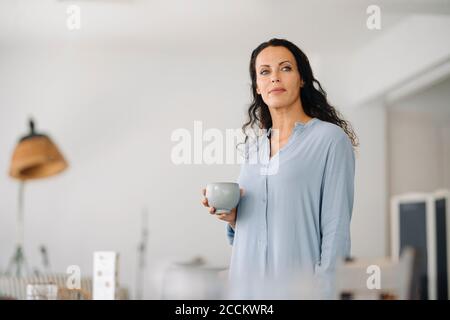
229,217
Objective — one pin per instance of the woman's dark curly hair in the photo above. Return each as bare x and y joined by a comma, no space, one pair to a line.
314,100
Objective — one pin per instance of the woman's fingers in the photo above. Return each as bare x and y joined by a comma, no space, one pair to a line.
211,210
223,216
228,216
204,200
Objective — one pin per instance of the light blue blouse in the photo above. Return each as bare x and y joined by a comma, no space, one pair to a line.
296,211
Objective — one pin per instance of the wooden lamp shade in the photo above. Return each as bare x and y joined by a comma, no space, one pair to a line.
36,156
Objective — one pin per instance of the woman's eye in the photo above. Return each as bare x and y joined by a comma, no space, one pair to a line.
287,68
263,72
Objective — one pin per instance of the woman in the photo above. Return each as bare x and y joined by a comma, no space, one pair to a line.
294,215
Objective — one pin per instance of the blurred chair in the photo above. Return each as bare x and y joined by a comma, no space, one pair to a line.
193,280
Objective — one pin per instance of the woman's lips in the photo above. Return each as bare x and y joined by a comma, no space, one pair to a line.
277,91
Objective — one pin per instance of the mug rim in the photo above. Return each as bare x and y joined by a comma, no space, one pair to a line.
227,183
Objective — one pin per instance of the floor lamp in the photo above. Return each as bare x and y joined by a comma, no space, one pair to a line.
35,157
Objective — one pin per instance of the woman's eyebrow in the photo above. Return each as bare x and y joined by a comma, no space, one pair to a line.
266,65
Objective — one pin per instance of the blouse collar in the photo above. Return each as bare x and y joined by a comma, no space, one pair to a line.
297,126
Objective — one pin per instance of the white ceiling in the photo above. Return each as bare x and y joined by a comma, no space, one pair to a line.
201,25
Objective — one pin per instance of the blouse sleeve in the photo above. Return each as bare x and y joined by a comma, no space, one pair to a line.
336,210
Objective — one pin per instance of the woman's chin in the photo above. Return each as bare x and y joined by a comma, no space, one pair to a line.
276,106
279,102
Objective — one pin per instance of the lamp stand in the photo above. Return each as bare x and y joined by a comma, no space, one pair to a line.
18,261
142,254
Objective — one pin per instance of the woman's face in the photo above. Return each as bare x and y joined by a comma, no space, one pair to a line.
277,77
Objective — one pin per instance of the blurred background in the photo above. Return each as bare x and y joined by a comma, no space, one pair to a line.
111,92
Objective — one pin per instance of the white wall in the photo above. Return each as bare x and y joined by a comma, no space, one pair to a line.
112,114
369,233
119,111
419,141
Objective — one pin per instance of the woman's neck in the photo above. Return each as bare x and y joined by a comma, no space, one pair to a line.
284,118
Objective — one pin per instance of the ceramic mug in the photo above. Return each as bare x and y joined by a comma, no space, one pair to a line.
223,196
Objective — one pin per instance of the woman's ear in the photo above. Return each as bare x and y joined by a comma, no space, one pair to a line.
257,90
